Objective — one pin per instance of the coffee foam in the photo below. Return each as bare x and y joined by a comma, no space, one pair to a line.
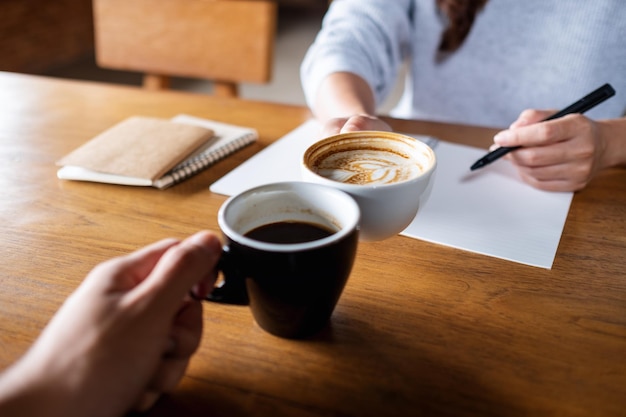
374,161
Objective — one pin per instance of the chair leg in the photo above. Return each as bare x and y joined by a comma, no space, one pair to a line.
225,89
156,82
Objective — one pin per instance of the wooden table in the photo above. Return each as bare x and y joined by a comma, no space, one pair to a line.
421,329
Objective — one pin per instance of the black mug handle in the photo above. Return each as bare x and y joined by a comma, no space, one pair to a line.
232,289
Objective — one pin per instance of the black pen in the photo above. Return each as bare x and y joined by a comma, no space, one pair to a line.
589,101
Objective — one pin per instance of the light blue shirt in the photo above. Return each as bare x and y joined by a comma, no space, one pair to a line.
542,54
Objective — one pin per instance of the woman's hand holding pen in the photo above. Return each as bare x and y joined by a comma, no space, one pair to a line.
562,154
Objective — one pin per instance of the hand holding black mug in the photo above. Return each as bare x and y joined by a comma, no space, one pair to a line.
289,249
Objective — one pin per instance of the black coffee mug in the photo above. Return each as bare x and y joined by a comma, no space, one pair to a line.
288,252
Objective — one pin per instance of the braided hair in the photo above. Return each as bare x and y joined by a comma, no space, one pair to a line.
460,15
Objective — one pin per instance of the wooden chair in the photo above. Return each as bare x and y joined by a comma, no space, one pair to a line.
225,41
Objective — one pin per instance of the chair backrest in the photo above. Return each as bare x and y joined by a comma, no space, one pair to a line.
226,41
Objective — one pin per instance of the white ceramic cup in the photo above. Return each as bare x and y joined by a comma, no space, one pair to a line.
386,173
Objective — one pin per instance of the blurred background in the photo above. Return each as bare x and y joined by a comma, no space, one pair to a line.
56,39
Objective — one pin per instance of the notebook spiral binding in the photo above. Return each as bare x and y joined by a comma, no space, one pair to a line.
201,162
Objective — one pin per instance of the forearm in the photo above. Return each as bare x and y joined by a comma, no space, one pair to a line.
613,133
343,94
21,395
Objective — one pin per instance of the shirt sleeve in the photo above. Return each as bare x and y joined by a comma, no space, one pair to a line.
370,38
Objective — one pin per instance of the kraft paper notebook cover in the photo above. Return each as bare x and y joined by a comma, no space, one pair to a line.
145,151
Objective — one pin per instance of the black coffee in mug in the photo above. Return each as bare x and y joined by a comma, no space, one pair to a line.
289,249
289,232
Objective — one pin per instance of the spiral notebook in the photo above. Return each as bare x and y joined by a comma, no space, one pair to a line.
147,151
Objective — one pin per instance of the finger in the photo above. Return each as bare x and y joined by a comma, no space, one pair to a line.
129,270
150,254
186,331
356,123
146,401
185,336
362,122
184,339
539,156
539,134
168,375
579,152
531,116
180,268
578,174
333,127
552,184
558,172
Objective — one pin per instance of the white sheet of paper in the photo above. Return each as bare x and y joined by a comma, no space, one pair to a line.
489,211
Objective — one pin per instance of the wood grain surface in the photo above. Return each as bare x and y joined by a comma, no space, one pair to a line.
420,329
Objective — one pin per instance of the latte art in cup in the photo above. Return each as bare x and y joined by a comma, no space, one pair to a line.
388,174
384,165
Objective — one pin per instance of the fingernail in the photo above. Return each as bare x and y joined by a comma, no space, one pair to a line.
519,122
502,137
199,238
204,240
